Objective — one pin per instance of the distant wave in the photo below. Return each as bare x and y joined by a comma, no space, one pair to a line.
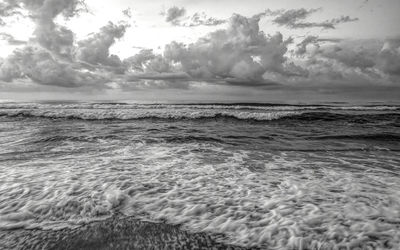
173,114
349,117
205,106
137,115
375,137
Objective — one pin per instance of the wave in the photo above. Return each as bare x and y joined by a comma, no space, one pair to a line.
375,137
349,117
173,114
140,114
199,106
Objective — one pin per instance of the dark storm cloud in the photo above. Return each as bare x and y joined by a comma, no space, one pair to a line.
177,17
296,19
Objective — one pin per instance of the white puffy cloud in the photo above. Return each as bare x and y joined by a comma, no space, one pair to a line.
40,66
47,58
389,57
56,38
139,61
238,54
351,62
96,49
173,14
240,51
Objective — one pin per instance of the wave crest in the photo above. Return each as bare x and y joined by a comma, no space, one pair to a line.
203,114
145,114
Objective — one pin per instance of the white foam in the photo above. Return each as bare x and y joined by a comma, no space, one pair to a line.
127,114
292,203
133,106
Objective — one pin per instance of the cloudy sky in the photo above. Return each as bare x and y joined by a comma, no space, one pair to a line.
208,50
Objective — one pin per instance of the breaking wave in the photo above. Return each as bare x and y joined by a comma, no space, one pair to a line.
114,114
190,114
200,106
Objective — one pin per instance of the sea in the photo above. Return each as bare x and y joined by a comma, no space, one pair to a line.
246,175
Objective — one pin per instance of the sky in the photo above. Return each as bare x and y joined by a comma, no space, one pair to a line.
192,50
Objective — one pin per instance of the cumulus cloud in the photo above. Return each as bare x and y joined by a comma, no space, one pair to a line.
350,55
239,55
177,17
95,50
47,58
173,14
138,61
301,48
48,34
241,51
389,57
315,41
41,67
295,19
351,61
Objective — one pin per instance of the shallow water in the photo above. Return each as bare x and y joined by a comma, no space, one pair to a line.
276,176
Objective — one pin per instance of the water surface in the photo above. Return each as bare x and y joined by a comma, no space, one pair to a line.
254,175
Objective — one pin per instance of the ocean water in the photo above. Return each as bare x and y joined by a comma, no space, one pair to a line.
253,175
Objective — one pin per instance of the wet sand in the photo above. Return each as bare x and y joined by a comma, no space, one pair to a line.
113,233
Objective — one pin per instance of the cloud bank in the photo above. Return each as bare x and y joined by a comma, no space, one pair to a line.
237,54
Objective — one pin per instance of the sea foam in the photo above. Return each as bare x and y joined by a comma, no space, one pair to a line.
289,202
